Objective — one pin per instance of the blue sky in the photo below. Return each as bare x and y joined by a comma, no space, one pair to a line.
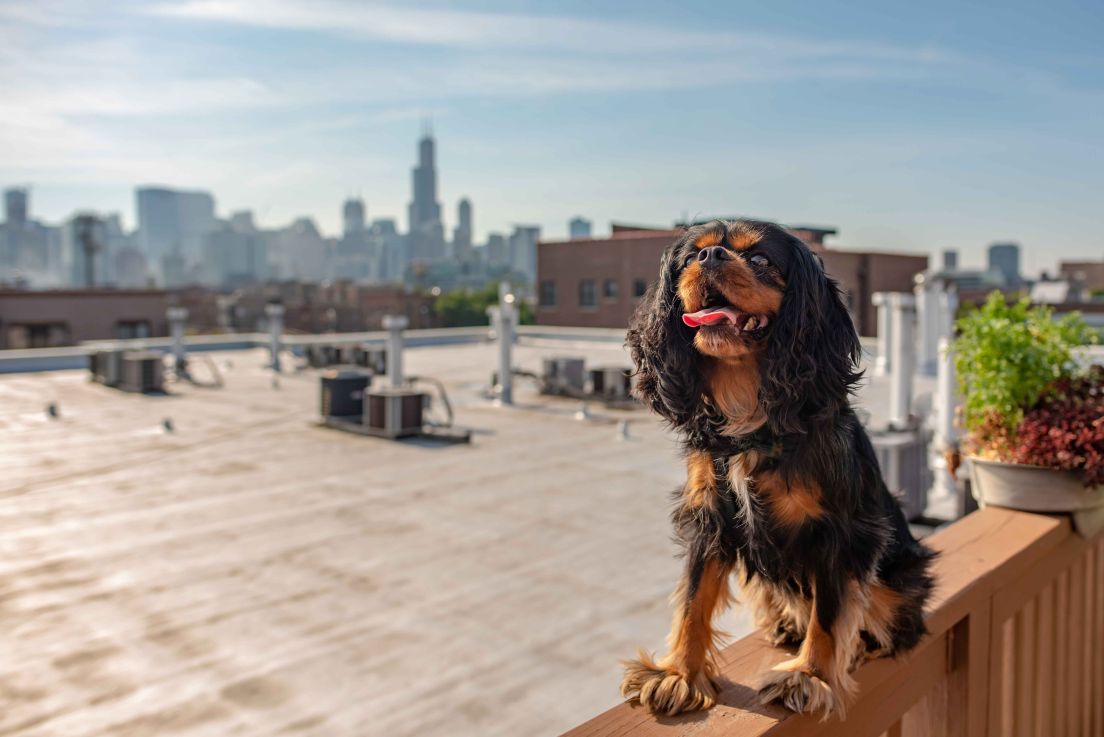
911,126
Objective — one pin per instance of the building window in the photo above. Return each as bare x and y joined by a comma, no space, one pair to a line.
128,329
588,295
639,287
36,335
548,294
609,290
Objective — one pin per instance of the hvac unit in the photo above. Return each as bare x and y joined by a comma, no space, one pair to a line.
343,393
394,413
106,367
369,358
903,457
141,372
563,375
611,383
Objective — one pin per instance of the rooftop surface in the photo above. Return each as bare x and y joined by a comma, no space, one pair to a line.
250,572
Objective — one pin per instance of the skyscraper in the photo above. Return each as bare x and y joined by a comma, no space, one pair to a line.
427,233
578,227
15,207
353,215
523,250
1004,259
462,233
173,223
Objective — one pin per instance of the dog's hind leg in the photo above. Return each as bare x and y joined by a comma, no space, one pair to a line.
683,680
782,616
818,680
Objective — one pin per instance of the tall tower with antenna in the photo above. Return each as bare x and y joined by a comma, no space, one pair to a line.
427,234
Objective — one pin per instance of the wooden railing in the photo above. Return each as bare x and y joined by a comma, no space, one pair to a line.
1016,648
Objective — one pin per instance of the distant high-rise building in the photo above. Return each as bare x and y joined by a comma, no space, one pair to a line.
390,249
1004,259
29,250
85,252
353,216
497,256
523,250
15,207
234,255
462,234
950,260
174,222
242,221
427,233
578,227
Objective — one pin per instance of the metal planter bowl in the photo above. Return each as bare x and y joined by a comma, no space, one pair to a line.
1038,489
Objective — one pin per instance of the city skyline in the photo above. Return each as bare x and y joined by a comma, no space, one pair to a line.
913,129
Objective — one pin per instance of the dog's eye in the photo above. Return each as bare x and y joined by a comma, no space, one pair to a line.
759,260
689,260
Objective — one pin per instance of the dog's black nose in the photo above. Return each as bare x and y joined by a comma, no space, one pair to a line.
714,256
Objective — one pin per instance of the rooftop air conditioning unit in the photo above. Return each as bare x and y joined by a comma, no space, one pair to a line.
394,413
563,375
106,367
611,383
141,371
343,394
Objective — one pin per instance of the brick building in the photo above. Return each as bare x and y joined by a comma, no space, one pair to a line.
46,319
597,282
309,307
1088,274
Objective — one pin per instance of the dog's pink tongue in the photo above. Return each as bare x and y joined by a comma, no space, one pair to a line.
710,316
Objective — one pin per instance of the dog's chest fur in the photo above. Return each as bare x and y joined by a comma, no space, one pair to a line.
761,541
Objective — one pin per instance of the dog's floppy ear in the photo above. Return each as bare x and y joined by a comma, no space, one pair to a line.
667,377
809,367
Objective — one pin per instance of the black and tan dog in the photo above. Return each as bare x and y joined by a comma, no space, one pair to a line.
744,345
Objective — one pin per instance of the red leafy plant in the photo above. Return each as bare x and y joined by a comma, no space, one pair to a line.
1065,428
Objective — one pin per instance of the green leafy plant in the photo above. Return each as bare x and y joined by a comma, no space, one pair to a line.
465,307
1006,355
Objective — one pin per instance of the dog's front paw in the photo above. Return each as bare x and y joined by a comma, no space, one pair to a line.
664,690
800,691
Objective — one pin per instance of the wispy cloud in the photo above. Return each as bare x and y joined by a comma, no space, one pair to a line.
485,31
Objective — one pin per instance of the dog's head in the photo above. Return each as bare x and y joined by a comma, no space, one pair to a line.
744,299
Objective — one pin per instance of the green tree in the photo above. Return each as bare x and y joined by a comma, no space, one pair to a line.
467,307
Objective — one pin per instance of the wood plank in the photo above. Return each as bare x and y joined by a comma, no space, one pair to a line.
1075,649
965,693
1098,628
1014,596
1061,651
928,717
1025,671
1089,651
1044,661
979,654
1004,686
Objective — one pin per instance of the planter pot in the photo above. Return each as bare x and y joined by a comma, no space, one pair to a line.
1038,489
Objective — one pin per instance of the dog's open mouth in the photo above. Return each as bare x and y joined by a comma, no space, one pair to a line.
718,313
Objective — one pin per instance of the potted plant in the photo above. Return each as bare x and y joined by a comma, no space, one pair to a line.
1034,417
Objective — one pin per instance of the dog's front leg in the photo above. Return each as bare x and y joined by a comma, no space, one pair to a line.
683,680
818,680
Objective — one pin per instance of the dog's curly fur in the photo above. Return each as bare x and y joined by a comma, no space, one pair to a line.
783,485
